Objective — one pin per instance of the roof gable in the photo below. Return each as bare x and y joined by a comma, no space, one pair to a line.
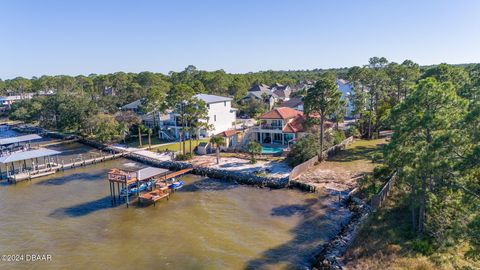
281,113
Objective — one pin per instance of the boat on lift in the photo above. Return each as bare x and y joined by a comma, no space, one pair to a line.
132,189
176,184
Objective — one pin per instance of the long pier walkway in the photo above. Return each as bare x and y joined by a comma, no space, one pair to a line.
52,168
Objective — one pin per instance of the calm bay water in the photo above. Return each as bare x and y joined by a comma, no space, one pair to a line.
209,224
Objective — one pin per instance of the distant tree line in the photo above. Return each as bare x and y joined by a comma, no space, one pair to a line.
89,105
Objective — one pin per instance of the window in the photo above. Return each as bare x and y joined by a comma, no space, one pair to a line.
225,103
208,106
215,118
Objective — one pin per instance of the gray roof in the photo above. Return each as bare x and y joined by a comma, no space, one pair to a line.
24,138
149,172
259,88
132,105
292,103
211,98
30,154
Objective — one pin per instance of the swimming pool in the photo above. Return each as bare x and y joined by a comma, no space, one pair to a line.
271,150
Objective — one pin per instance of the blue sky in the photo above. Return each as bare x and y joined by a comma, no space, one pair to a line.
83,37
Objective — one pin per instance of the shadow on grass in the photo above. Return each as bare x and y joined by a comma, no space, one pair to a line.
319,223
357,153
388,231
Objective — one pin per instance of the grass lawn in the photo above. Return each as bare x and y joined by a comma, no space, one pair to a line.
359,151
177,146
387,242
135,143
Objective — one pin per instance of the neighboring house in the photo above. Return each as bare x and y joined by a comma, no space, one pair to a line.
278,126
343,86
221,117
133,106
108,91
303,86
232,138
7,101
347,91
270,95
294,103
282,92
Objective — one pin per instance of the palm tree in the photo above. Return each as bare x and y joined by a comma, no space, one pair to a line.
150,138
253,148
217,141
140,135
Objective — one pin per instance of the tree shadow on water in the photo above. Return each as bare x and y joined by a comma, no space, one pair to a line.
321,220
83,209
73,177
208,184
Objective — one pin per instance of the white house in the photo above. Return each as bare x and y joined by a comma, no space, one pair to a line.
221,117
343,86
347,91
7,101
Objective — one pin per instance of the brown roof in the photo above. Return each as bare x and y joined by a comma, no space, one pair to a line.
281,113
227,133
298,124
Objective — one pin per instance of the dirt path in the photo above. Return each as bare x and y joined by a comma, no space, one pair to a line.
341,172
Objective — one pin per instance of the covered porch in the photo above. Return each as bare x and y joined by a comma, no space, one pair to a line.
274,138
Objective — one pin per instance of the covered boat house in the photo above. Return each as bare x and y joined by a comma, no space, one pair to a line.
22,171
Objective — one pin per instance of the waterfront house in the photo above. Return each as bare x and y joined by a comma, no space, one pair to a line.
7,101
221,117
279,126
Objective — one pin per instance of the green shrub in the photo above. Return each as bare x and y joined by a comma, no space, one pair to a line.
304,149
181,157
353,131
422,246
338,136
382,172
376,157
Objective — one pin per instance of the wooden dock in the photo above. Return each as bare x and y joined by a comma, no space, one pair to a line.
57,142
155,195
177,173
54,167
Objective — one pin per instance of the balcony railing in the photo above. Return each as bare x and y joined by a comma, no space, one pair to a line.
168,123
271,127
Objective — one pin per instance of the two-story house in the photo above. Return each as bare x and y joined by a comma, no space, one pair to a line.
269,95
221,117
279,126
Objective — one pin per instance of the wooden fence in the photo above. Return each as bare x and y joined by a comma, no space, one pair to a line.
303,167
378,199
